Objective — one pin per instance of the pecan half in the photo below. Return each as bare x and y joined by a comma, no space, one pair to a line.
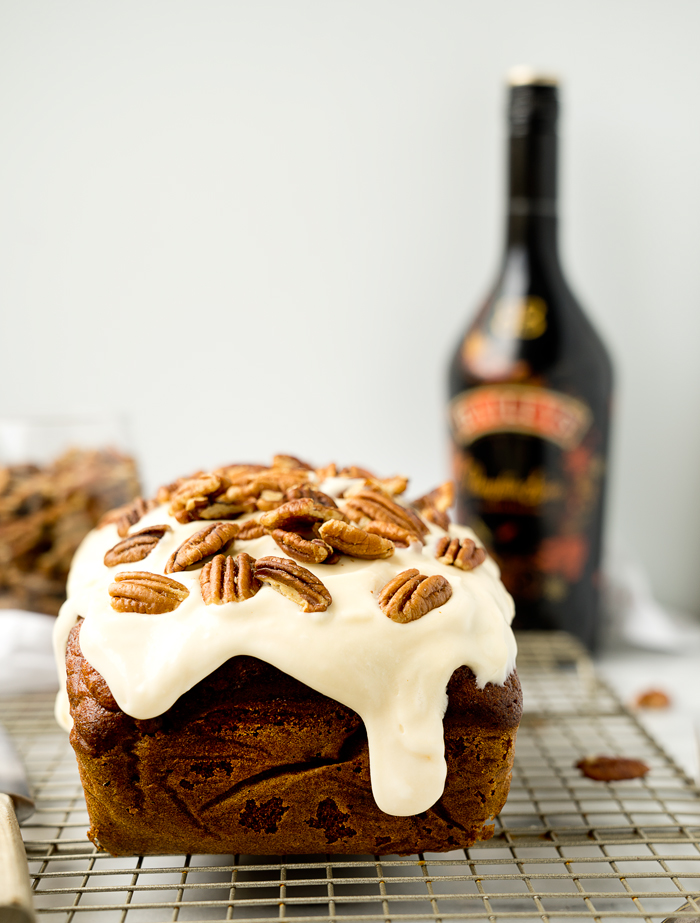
389,530
441,498
293,581
127,516
433,506
228,580
297,493
309,551
290,461
151,594
202,544
350,539
465,554
612,768
194,493
365,505
135,547
410,595
250,529
295,515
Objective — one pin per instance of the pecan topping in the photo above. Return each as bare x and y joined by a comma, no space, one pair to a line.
250,529
152,594
289,461
295,582
296,493
395,534
127,516
612,768
441,498
202,544
410,595
438,517
193,493
295,515
350,539
135,547
228,580
465,554
310,551
365,505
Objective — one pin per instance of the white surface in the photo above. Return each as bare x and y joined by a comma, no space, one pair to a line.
266,223
676,728
26,653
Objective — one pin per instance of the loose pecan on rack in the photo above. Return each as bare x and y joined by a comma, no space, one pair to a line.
612,768
202,544
410,595
151,594
135,547
293,581
465,554
352,540
225,579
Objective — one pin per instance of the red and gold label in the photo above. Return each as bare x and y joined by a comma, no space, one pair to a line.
534,411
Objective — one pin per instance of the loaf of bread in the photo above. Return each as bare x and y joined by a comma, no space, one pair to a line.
287,660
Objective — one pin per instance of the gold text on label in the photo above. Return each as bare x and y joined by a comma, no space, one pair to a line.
521,318
534,490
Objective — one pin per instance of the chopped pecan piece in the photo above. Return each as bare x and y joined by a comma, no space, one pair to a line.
612,768
297,493
366,505
350,539
295,515
295,582
151,594
202,544
437,517
465,554
135,547
310,551
410,595
250,529
389,530
228,580
269,499
329,471
394,486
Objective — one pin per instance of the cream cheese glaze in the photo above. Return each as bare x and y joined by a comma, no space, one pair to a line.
393,675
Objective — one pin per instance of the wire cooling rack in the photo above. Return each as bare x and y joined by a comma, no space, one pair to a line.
565,847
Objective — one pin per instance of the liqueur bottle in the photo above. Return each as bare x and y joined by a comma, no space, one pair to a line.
530,387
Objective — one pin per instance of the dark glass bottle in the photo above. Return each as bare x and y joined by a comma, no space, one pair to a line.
530,388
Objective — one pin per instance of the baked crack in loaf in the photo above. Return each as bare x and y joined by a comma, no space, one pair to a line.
287,660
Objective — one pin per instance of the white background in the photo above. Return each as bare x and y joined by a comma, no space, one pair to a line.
261,226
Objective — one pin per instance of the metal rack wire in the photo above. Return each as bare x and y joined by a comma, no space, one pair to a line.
566,848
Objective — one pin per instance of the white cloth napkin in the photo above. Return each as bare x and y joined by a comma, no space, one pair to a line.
26,653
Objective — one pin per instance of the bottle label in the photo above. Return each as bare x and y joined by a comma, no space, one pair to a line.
557,417
529,470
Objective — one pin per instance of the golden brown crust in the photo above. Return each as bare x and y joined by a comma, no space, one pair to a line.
252,761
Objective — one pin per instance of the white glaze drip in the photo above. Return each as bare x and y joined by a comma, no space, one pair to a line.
393,675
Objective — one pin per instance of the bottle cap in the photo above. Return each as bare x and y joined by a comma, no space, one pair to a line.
524,75
533,104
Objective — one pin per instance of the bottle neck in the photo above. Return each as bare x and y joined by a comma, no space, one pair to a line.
532,190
